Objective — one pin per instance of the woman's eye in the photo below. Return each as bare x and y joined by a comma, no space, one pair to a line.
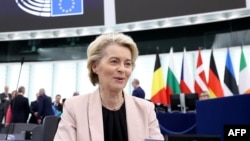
128,64
114,61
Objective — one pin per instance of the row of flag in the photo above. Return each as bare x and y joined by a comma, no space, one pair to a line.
161,89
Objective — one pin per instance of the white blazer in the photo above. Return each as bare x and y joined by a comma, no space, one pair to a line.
82,119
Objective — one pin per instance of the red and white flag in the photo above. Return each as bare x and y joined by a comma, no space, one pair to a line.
200,76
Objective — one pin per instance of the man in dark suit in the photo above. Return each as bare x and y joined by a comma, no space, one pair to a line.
20,107
34,110
138,91
4,98
44,106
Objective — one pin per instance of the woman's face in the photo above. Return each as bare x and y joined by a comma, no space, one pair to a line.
114,68
13,94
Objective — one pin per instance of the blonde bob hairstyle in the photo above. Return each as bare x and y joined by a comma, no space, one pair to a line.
96,49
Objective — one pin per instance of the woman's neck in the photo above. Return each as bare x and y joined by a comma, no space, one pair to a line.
111,100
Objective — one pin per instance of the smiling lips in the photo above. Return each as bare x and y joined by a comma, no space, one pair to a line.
120,79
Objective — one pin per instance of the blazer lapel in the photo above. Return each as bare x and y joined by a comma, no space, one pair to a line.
95,117
132,123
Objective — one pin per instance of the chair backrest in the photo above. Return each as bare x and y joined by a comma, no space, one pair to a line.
50,124
37,133
20,130
21,127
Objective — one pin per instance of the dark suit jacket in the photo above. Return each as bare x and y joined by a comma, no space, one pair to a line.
33,109
20,109
3,102
139,92
44,106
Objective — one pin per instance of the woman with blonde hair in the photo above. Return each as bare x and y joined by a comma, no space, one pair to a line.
109,113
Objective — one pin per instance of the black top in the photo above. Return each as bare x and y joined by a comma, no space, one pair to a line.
115,124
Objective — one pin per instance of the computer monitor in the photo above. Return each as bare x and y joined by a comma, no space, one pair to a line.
175,102
190,101
161,108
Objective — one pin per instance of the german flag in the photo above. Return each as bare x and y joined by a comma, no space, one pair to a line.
158,94
214,85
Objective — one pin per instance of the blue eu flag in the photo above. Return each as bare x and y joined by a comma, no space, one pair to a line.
66,7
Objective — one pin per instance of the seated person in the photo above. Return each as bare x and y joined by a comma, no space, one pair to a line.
204,95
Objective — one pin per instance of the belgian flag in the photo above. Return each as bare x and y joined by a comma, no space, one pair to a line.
158,94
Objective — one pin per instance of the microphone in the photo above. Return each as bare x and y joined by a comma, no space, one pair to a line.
8,128
22,60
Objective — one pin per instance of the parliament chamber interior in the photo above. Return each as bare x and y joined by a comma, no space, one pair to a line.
43,44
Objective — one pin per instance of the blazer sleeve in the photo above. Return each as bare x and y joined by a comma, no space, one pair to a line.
27,108
154,129
134,93
32,107
40,107
66,130
1,98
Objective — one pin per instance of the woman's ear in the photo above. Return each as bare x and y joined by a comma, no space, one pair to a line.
94,67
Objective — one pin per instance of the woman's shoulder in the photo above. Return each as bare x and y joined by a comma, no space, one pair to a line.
78,99
83,98
140,101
